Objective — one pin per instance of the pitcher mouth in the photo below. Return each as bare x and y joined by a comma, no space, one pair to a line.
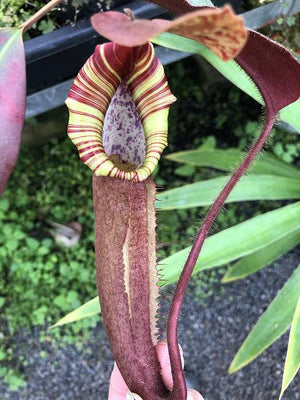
95,103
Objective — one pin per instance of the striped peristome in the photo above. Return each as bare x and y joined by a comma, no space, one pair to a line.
92,91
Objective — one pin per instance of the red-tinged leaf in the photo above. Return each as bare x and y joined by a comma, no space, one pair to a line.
219,29
12,99
275,71
127,279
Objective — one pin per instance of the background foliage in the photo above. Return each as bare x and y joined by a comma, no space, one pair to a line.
14,12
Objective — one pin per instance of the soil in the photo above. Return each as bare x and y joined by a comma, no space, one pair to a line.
210,335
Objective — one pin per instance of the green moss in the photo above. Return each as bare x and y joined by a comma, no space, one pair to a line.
15,12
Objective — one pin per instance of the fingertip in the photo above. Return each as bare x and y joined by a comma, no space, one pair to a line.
194,395
117,387
164,360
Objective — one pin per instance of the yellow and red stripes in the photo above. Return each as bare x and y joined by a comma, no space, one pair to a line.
92,91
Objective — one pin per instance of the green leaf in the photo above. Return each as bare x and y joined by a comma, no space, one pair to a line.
2,301
230,69
261,258
88,309
252,187
290,114
4,205
15,380
235,242
209,143
32,243
60,301
3,355
227,160
271,325
12,99
12,244
185,170
292,362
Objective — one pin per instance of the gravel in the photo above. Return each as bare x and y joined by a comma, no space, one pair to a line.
210,334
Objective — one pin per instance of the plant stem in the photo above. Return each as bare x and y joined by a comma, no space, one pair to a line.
178,376
37,16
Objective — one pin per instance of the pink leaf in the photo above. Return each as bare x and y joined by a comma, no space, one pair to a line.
12,99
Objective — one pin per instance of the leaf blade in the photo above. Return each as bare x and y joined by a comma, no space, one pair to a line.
88,309
252,187
230,70
271,325
292,362
12,99
248,237
260,259
226,160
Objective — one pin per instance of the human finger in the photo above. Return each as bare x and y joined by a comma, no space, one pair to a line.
164,360
117,387
194,395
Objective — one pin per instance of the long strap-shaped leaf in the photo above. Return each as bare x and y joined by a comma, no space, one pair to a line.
231,70
12,99
248,237
253,187
225,160
271,325
13,92
263,257
292,362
